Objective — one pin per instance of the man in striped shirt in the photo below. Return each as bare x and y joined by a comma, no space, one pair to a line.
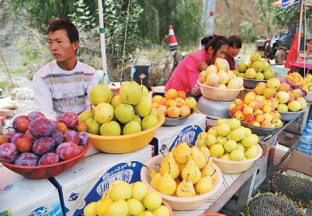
63,85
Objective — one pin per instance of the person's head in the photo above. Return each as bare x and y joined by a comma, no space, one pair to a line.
63,40
215,46
235,44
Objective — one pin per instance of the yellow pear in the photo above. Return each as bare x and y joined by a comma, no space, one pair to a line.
167,185
185,189
154,180
181,152
198,157
191,171
169,165
204,185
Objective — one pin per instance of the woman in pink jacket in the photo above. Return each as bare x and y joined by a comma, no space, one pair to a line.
186,74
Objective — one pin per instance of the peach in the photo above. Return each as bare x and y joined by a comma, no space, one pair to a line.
173,112
162,108
274,102
180,102
238,101
171,103
254,105
154,104
268,116
259,117
266,124
162,101
257,112
267,109
156,98
171,94
239,115
182,94
185,111
248,110
249,119
240,107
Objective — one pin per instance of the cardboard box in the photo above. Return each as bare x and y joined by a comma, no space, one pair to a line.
27,197
300,162
187,132
90,178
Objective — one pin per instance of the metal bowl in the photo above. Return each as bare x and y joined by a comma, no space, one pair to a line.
261,131
218,94
252,83
308,97
289,116
213,109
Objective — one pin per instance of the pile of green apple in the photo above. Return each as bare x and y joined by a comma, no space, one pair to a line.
282,97
256,69
229,140
128,112
123,199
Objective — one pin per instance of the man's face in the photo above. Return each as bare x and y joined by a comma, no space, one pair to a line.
233,51
60,46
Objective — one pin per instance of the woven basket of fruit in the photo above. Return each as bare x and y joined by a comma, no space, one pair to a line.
41,148
184,195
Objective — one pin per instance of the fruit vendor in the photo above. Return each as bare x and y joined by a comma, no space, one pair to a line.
186,74
235,44
63,84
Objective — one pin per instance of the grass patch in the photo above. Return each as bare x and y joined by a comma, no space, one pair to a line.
4,84
17,70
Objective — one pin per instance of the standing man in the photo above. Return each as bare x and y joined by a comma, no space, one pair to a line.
63,85
235,44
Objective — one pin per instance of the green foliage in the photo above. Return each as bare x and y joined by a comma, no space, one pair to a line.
276,15
184,15
115,18
82,18
40,13
17,70
247,33
4,84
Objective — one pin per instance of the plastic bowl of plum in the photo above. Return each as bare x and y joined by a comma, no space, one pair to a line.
41,148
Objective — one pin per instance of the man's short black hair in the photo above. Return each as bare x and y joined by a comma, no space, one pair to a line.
235,40
72,32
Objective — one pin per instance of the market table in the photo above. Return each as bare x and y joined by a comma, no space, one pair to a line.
232,183
301,65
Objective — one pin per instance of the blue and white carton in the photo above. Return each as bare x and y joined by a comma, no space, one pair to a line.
27,197
90,178
168,137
